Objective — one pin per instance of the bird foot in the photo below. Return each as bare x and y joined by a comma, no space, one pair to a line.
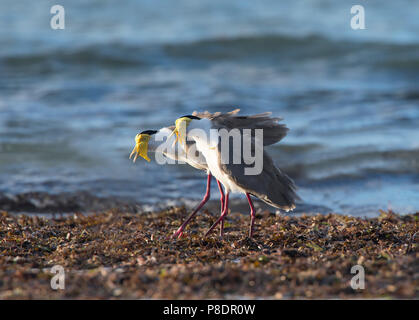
178,234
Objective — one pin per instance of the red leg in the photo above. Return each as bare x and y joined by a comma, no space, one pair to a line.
223,215
221,195
252,215
179,231
222,207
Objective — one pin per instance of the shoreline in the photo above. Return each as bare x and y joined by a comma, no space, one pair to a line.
51,205
115,254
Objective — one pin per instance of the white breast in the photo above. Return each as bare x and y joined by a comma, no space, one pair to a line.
212,157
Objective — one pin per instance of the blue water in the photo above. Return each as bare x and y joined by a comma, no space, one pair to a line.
71,101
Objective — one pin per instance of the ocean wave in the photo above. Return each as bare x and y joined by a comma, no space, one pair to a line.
257,49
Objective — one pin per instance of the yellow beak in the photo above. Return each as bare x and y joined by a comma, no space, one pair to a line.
180,130
141,147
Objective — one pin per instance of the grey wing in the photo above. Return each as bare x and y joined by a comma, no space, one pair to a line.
271,185
273,131
211,116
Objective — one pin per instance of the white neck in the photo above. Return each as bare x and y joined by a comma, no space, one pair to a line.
202,133
158,138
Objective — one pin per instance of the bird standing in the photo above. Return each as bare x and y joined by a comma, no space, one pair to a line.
270,185
152,141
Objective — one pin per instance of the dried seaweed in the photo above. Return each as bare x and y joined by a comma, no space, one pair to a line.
124,255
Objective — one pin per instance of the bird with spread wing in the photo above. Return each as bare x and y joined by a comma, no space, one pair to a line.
151,140
270,185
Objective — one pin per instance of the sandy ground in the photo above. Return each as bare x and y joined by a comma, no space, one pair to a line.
114,254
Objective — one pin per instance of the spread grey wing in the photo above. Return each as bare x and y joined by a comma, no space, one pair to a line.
273,131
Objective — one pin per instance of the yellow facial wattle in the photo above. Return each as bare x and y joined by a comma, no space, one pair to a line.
180,129
141,147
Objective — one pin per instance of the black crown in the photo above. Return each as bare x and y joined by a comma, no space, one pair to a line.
149,132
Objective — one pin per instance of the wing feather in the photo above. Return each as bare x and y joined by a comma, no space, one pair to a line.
273,131
271,185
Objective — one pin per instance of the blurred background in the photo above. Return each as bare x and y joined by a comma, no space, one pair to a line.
72,101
